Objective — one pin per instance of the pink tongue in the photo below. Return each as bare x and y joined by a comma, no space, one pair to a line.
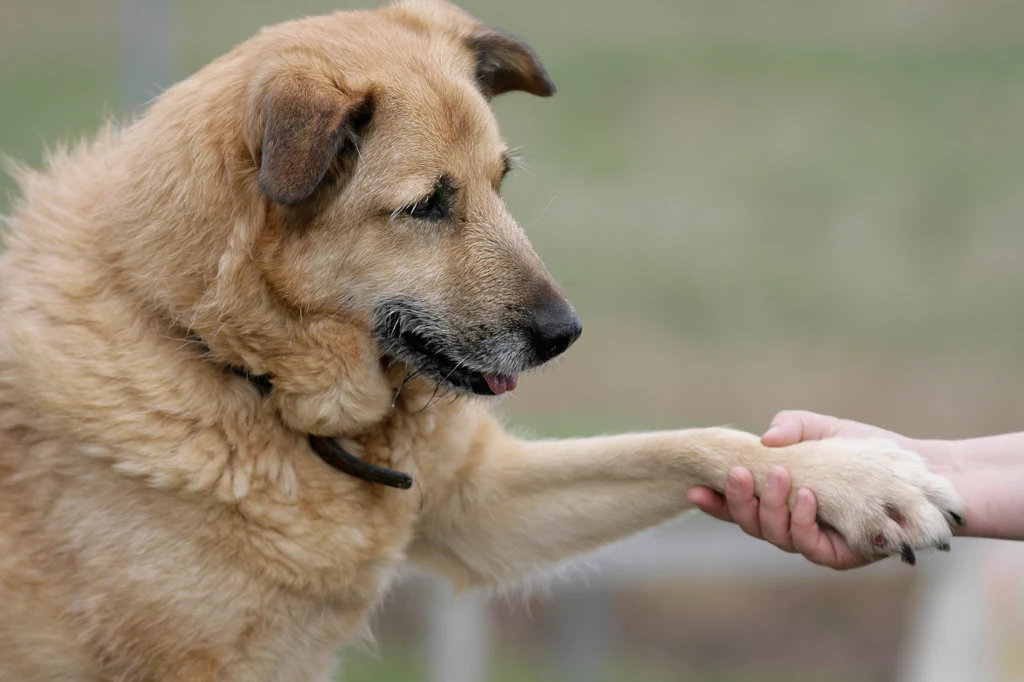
501,383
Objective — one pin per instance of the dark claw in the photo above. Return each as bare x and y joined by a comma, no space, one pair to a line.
957,519
944,547
907,554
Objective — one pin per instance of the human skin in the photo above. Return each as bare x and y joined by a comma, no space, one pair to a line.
987,472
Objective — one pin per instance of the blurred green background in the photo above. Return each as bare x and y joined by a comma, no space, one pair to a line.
754,205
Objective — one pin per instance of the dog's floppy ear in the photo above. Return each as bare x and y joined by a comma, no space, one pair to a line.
505,63
306,120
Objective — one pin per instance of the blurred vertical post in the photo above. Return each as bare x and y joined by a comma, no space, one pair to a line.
458,635
146,38
951,637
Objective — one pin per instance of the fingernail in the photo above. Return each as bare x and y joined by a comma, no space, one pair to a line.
733,481
772,431
803,498
772,480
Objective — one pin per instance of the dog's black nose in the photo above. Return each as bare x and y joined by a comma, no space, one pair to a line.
553,328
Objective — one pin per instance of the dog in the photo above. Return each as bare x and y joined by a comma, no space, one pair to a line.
225,330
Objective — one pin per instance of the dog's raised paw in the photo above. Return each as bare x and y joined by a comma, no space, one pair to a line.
881,498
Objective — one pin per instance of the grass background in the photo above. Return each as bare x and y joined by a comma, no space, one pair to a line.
754,205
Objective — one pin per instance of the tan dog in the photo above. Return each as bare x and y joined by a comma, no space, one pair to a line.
316,212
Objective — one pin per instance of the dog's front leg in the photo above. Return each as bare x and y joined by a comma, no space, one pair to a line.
521,505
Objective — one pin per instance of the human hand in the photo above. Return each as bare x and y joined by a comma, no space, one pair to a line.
769,518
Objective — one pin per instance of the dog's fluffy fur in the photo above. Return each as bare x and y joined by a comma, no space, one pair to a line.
320,205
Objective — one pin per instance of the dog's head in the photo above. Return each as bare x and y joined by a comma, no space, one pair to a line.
377,149
332,195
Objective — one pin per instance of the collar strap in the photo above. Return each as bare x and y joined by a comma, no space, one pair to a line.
343,460
328,449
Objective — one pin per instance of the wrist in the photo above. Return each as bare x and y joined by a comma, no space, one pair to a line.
944,457
988,473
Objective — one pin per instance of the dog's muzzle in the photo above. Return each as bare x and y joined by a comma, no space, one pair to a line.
485,363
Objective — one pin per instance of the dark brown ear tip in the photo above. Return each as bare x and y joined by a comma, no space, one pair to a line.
544,87
542,84
505,63
275,187
277,195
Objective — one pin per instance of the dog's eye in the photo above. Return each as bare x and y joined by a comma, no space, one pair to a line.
434,208
438,205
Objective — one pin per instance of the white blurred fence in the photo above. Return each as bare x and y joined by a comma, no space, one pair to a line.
967,621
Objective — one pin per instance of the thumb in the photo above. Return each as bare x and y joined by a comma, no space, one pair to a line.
794,426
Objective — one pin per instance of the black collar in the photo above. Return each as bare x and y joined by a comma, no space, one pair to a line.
328,449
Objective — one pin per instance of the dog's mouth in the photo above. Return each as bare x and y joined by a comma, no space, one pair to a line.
431,358
483,358
410,335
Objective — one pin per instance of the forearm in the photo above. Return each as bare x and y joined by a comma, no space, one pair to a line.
989,475
526,504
